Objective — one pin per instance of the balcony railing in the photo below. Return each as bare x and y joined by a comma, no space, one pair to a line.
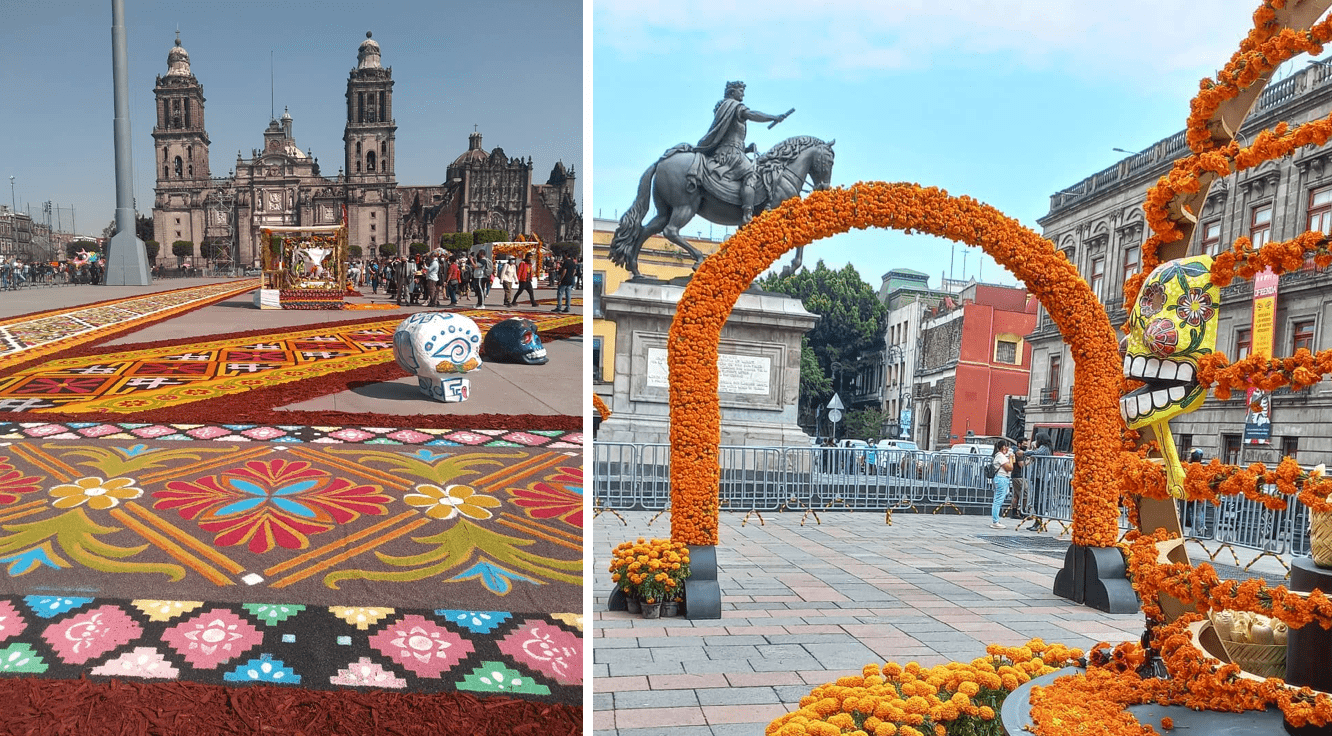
1049,395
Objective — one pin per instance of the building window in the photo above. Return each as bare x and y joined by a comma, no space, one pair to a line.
1230,448
372,215
1005,351
1243,343
598,292
180,166
1260,225
1098,276
1290,447
596,361
372,227
1184,443
372,240
1320,210
370,161
1211,237
1052,382
358,167
1302,335
1132,261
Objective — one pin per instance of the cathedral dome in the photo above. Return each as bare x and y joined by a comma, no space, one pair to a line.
367,55
474,153
178,61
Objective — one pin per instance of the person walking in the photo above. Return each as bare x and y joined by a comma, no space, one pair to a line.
1003,480
526,280
1043,449
508,276
480,278
452,279
432,281
567,278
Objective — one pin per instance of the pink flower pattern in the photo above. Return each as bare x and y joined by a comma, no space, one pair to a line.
548,649
91,634
212,638
422,646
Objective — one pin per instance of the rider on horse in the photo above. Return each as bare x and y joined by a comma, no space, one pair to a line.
723,146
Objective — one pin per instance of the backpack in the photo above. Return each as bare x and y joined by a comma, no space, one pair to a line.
991,469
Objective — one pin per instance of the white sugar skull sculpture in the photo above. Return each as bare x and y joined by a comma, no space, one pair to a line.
439,348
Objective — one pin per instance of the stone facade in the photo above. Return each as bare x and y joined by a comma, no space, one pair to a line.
281,185
1099,224
15,234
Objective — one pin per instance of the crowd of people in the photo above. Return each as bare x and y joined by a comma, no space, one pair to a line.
442,279
16,274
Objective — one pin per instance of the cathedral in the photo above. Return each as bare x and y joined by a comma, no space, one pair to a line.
281,185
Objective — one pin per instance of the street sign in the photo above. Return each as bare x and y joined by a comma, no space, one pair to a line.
834,415
835,402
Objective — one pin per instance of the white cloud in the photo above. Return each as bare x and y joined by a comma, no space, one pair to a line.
1134,41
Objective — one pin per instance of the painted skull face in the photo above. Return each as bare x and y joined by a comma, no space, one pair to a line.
514,340
1172,325
436,347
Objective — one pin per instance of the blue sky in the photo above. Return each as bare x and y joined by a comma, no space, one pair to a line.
1008,101
511,67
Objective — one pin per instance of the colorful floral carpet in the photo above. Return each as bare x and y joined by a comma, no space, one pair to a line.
306,565
550,439
242,377
32,335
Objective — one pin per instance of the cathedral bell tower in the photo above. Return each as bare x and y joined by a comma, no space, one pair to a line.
372,200
369,132
180,147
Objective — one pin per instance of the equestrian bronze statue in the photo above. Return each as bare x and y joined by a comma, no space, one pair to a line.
717,180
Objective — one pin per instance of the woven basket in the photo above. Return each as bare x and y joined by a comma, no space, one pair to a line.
1320,537
1263,660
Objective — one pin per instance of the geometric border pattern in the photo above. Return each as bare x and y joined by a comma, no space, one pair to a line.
286,433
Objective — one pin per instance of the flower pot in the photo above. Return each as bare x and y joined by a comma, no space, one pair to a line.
670,608
632,604
652,610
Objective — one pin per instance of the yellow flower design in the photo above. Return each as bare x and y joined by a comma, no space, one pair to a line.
446,503
94,491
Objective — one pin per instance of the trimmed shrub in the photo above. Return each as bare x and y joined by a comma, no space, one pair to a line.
489,236
354,251
182,249
152,248
388,250
417,249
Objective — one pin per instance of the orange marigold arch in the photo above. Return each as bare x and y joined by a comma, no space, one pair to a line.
712,293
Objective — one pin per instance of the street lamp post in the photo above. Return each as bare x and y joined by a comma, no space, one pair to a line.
13,202
895,355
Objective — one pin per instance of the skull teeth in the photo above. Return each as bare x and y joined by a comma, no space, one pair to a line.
1142,367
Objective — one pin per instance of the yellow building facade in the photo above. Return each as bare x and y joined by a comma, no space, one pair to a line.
658,259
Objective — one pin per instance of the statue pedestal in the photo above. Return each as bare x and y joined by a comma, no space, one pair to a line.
759,367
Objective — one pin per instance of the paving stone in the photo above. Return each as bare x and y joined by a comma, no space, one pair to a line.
655,699
736,696
620,656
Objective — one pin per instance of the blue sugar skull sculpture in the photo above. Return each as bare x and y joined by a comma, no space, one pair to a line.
439,348
514,340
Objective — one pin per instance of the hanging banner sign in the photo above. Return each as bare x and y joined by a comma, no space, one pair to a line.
1258,415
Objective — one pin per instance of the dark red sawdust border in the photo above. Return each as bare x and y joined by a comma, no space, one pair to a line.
259,406
38,707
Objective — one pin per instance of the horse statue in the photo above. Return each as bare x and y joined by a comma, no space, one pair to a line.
681,190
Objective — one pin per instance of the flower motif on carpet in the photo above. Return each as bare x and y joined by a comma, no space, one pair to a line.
559,497
20,657
446,503
50,606
478,622
365,672
272,614
268,504
97,493
548,649
422,646
13,484
213,638
165,610
11,621
496,677
360,616
91,634
143,662
264,669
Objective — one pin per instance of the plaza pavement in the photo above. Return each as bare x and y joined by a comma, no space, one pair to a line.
804,605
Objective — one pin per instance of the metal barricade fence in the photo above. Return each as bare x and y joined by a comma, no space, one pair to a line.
1050,485
752,478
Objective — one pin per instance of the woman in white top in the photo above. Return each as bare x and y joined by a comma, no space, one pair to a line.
1003,480
508,276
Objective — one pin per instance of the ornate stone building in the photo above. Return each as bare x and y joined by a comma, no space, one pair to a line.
282,185
1099,224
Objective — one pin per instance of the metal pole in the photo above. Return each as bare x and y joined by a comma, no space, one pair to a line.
13,203
127,264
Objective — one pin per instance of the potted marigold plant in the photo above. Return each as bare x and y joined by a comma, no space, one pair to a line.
650,573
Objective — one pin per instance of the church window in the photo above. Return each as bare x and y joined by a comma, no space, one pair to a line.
189,152
370,161
358,148
179,166
166,170
372,215
358,167
191,170
370,112
187,114
372,227
383,109
360,107
175,114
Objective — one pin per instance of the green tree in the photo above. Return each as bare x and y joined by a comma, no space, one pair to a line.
863,424
480,237
182,249
388,250
456,241
851,326
354,251
152,248
417,249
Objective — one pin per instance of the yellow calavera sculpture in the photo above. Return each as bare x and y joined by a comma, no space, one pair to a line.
1172,325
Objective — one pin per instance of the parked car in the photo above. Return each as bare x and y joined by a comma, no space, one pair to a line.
897,445
899,449
973,448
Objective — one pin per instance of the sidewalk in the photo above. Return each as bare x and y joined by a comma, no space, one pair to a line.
804,605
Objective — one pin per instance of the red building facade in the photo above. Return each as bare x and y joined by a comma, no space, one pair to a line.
973,355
